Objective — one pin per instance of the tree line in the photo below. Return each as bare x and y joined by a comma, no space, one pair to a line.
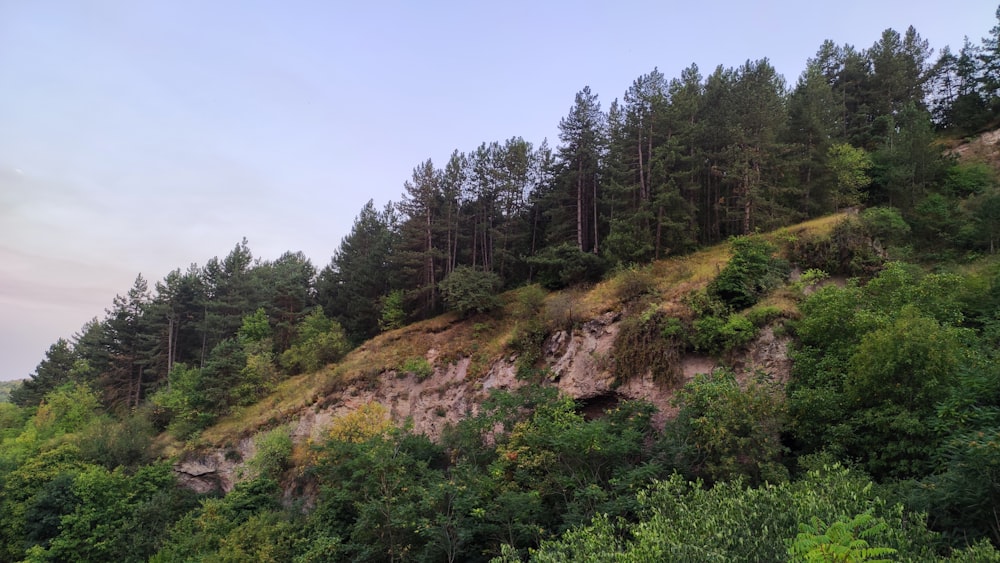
672,165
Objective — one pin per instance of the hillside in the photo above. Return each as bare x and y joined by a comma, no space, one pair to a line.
467,358
723,319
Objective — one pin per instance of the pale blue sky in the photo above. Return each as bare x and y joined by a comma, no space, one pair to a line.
143,136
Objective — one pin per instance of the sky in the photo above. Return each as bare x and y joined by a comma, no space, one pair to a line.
142,137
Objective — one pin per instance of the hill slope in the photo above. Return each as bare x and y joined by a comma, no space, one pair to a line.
436,372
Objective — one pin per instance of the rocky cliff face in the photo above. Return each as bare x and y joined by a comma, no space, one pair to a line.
578,361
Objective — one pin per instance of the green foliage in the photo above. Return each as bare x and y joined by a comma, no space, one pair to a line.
983,232
683,521
885,224
843,541
266,537
530,301
577,467
274,448
529,331
419,367
111,519
113,444
761,316
11,421
359,287
962,499
372,492
364,423
872,364
44,511
732,430
69,408
320,341
183,403
848,249
255,327
719,335
750,273
5,388
526,342
200,533
258,376
633,283
911,363
561,266
467,291
25,475
54,371
964,179
849,166
393,314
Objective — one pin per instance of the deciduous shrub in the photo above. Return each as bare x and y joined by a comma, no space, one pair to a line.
719,335
467,290
320,341
750,274
419,367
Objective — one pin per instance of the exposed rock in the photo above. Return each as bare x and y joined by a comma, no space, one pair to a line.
581,366
580,360
768,353
215,470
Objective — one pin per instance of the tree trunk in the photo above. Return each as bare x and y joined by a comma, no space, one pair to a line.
595,215
659,231
579,205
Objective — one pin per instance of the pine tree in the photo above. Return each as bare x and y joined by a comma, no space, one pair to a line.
812,124
420,258
359,275
129,344
286,293
582,135
53,371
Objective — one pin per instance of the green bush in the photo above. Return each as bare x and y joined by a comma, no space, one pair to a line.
734,430
526,342
718,335
274,448
320,341
762,316
530,301
685,521
419,367
467,291
750,274
885,224
393,313
848,249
